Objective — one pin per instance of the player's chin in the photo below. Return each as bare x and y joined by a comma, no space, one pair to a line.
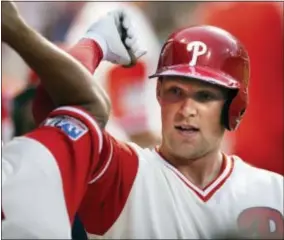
186,151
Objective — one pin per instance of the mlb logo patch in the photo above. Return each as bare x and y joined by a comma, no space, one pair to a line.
72,127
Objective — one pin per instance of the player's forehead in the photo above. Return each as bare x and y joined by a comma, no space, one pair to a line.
190,84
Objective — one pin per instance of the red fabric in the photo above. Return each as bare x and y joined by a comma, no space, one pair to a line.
4,111
120,81
76,160
126,87
259,139
96,183
106,197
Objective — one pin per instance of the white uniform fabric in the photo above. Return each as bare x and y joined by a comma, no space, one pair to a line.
163,204
32,194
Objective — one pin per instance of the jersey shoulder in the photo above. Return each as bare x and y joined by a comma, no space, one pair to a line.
145,155
257,176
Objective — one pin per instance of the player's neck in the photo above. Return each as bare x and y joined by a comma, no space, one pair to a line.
200,171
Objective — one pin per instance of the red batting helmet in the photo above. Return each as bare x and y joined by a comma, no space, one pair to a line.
212,55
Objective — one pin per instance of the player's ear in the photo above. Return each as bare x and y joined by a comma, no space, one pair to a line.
159,89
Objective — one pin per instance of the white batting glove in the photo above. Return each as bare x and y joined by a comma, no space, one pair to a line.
117,38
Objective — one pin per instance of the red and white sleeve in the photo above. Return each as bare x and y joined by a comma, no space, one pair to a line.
114,166
110,186
46,173
65,165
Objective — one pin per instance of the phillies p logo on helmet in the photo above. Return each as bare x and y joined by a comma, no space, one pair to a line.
198,48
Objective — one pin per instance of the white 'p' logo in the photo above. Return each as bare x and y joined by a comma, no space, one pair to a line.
198,48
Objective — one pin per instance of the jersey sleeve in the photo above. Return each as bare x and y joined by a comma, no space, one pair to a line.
109,189
46,172
110,186
66,164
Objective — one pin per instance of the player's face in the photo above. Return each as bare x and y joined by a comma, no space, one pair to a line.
191,117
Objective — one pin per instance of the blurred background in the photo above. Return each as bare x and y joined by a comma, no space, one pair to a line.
135,115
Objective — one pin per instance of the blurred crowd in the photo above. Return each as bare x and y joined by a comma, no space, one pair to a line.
135,112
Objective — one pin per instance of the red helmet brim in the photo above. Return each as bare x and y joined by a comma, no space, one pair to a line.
201,73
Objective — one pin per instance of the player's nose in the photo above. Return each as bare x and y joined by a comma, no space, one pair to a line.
188,108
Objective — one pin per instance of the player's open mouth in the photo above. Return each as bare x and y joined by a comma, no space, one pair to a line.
186,129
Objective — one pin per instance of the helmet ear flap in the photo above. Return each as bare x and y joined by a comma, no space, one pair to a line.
225,121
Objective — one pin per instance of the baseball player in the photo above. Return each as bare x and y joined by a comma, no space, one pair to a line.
42,189
187,188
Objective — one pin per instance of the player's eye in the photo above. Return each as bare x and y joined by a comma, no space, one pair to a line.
206,96
175,91
173,94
